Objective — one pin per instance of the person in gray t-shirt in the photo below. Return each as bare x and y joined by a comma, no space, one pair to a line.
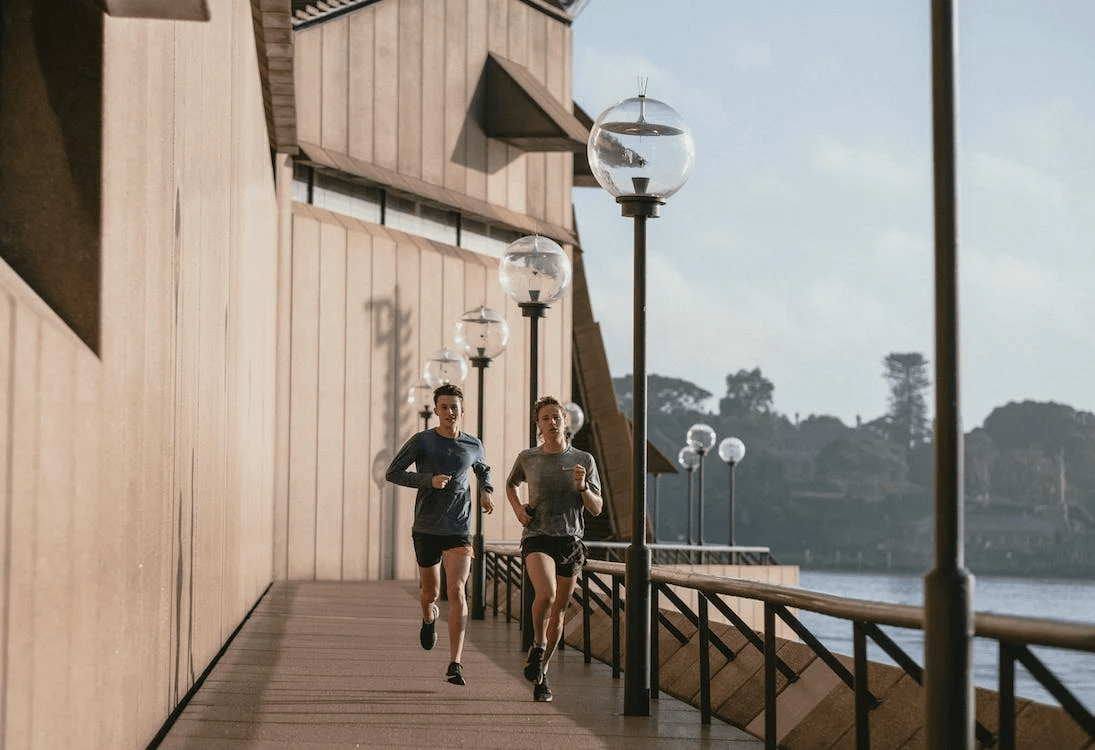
444,459
563,484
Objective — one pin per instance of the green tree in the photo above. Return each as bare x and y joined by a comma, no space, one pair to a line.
907,376
748,392
981,454
1025,476
674,396
859,459
664,395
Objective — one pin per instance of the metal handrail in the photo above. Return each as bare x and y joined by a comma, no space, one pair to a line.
1013,633
704,554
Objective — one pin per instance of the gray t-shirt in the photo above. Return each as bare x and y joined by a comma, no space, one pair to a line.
556,504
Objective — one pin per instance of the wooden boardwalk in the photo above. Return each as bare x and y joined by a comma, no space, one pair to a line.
338,665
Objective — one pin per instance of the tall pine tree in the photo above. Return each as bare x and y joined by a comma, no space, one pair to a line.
907,376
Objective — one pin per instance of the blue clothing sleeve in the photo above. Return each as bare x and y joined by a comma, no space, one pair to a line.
482,470
397,470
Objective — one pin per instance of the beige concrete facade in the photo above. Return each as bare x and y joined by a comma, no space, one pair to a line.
200,376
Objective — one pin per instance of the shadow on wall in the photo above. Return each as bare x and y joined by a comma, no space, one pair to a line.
392,328
51,107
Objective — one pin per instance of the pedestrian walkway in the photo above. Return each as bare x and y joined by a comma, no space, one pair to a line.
338,665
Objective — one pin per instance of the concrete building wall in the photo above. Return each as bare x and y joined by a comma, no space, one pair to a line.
369,305
396,85
137,460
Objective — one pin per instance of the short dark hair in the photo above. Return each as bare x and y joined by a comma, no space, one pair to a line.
447,389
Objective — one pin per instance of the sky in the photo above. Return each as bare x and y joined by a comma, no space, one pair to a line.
803,241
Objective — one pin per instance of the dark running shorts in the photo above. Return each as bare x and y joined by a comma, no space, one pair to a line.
428,547
568,552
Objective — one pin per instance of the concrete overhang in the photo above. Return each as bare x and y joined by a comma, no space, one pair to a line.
520,111
168,10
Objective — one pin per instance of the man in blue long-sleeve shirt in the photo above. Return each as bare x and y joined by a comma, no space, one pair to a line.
444,459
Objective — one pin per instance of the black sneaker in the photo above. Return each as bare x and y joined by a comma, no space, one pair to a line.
534,664
542,693
427,635
455,674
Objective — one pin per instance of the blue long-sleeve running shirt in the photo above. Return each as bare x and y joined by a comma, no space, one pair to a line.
446,511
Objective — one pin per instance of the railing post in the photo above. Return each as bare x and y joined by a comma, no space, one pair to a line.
1006,739
616,627
705,659
494,580
769,677
862,696
509,588
587,619
655,653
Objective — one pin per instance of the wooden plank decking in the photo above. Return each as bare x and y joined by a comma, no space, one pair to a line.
338,665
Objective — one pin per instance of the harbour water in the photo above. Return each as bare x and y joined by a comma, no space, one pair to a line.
1067,600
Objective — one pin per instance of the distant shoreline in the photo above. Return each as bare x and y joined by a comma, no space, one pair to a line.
1083,573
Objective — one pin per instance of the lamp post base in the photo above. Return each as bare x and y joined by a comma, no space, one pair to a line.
637,562
948,658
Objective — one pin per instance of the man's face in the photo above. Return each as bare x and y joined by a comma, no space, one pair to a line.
552,421
448,409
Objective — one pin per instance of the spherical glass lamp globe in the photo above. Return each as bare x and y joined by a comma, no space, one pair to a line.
701,437
640,147
445,366
575,416
534,270
420,394
731,450
482,332
688,458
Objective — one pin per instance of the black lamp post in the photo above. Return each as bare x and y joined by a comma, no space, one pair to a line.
948,587
641,152
731,450
421,395
535,272
689,460
702,439
483,334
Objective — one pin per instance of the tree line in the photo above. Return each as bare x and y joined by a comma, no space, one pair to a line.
819,492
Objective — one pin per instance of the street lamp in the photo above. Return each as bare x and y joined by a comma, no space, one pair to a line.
445,366
949,586
689,460
702,439
575,416
483,334
535,272
641,152
421,395
731,450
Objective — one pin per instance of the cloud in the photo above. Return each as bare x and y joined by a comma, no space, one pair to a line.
866,164
607,78
750,55
1024,294
1025,182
